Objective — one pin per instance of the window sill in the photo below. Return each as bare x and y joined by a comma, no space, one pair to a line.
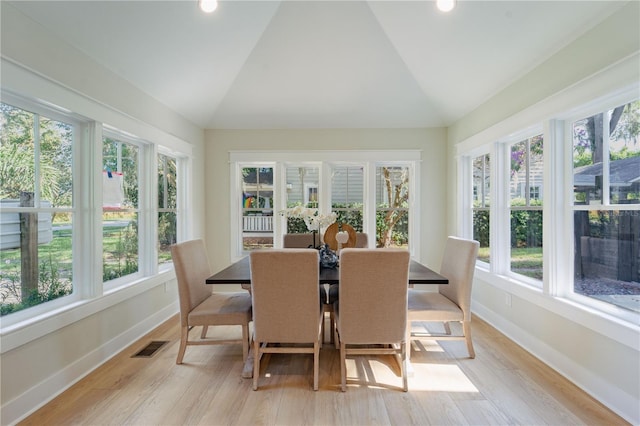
623,330
23,332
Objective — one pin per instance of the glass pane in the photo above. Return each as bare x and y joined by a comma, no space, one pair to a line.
257,207
167,235
302,190
587,160
481,233
526,243
624,154
481,181
607,256
120,244
536,170
518,184
392,206
347,195
17,152
41,271
122,158
56,179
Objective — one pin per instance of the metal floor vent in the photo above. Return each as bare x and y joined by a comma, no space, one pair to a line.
150,350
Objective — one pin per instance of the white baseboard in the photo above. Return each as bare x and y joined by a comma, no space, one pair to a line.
42,393
618,401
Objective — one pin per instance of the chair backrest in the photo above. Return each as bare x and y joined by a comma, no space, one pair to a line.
373,295
191,263
303,240
458,266
362,240
286,301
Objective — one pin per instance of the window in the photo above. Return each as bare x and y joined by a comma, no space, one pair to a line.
606,192
392,206
369,190
36,192
257,207
526,207
167,206
302,190
347,195
481,167
120,208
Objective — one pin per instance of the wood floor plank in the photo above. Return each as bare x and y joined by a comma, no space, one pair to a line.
503,385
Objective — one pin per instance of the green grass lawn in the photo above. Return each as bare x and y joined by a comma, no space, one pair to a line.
524,261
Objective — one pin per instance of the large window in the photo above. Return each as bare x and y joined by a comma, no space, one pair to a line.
373,191
78,204
580,195
36,192
525,189
606,188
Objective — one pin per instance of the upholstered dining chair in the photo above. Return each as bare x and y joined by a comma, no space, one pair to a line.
371,313
286,305
452,302
199,306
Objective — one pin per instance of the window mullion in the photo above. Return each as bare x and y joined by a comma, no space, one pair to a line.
606,195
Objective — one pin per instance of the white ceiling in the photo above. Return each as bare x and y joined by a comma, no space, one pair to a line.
319,64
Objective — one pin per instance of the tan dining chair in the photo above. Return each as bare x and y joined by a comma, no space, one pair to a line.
286,305
199,306
371,312
301,240
452,302
362,241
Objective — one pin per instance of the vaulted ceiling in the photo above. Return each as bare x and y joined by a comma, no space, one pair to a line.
319,64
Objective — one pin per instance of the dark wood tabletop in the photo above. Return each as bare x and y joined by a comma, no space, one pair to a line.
240,273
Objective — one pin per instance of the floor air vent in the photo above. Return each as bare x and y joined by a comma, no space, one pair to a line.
150,350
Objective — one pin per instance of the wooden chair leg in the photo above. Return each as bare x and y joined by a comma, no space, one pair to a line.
404,355
204,331
184,336
343,366
466,328
245,341
316,364
256,363
447,328
408,339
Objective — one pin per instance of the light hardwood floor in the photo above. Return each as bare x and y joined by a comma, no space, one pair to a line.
502,385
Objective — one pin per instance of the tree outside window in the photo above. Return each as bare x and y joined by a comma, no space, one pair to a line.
36,191
481,169
167,206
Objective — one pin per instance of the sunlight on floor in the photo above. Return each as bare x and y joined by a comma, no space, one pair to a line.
440,378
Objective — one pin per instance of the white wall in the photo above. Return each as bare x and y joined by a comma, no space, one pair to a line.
432,142
564,336
40,360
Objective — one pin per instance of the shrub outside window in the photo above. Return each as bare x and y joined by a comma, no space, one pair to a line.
167,206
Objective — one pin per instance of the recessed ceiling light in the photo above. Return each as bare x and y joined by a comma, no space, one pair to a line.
208,6
445,5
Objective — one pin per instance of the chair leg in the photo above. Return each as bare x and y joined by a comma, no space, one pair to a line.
204,331
184,336
245,341
404,351
343,366
332,322
316,364
466,328
256,363
408,340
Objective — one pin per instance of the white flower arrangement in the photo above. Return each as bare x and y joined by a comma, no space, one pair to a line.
312,218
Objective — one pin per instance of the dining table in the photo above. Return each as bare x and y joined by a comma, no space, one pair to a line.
239,272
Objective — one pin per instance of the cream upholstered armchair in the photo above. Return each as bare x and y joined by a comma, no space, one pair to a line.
286,305
371,313
452,302
199,306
